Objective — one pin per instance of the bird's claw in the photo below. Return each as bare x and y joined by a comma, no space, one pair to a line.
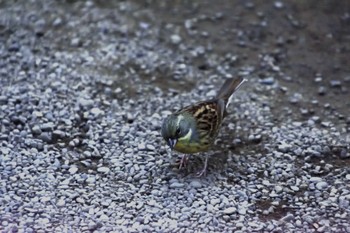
203,172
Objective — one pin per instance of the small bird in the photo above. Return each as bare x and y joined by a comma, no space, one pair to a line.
194,128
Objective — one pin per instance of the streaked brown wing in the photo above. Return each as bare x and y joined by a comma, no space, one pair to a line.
208,115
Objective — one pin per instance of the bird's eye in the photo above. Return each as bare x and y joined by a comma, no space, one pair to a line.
178,131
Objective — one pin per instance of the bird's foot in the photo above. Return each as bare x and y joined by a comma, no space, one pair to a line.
183,162
204,170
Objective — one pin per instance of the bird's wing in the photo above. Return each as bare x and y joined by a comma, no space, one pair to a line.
208,117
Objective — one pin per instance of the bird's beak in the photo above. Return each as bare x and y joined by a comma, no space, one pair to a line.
172,142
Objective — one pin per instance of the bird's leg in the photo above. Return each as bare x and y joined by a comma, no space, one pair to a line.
183,161
204,170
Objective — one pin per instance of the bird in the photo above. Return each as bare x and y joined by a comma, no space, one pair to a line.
194,128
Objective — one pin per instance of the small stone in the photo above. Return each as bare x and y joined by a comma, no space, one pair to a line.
61,202
230,210
294,188
242,210
58,134
45,199
211,93
215,201
91,179
37,114
196,184
284,147
335,83
72,170
175,39
103,169
312,152
85,102
36,129
347,177
278,189
315,179
288,218
14,47
47,126
189,24
177,185
96,112
278,4
57,22
268,81
296,98
326,124
80,200
130,117
144,25
150,147
249,5
104,218
141,146
322,185
321,90
46,137
3,99
75,42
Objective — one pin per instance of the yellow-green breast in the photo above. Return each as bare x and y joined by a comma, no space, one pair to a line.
185,145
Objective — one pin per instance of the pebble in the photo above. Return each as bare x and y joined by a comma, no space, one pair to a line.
72,170
141,146
58,134
177,185
86,102
96,112
103,169
347,177
322,185
278,4
36,129
278,189
242,210
315,179
104,218
175,39
47,126
335,83
57,22
230,210
61,203
150,147
196,184
75,42
322,90
268,81
288,218
46,137
91,179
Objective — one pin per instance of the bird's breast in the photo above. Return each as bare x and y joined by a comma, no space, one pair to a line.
190,147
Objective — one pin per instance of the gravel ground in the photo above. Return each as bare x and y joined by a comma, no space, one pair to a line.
85,86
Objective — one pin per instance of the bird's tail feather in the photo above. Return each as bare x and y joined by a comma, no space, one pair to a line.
229,87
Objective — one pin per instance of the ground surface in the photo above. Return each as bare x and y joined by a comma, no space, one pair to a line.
85,86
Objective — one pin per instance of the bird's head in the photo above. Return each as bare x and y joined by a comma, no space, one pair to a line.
178,127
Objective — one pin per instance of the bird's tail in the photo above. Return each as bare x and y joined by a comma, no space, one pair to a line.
229,87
